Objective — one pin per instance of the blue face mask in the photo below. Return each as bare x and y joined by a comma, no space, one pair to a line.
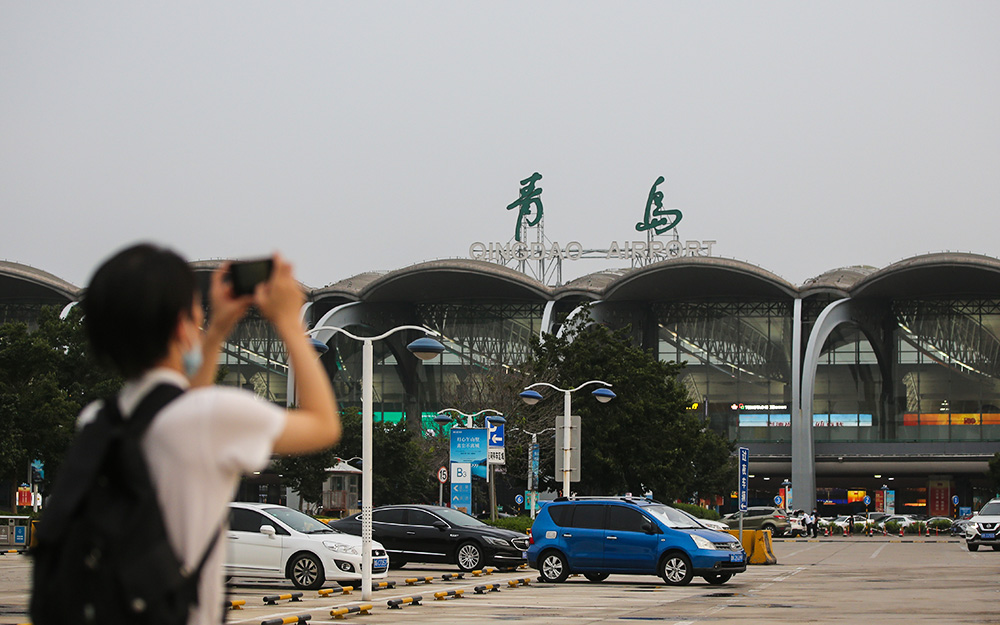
192,359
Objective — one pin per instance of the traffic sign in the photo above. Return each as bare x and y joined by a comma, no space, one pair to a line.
494,433
519,499
442,474
954,500
744,484
868,500
777,500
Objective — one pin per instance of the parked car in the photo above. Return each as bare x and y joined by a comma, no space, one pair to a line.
901,520
797,523
601,536
759,518
274,542
984,526
873,518
420,533
960,526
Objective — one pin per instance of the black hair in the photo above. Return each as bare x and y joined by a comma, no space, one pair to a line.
132,305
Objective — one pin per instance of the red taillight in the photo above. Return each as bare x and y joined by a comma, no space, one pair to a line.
531,541
779,517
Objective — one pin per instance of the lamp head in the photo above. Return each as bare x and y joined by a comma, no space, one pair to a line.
604,395
496,418
442,419
425,348
320,347
531,397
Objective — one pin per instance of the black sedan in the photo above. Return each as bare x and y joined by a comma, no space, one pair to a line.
419,533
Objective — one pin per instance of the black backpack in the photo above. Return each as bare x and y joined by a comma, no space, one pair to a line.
103,555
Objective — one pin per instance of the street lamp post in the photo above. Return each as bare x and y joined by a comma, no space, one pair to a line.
532,486
424,348
496,417
532,397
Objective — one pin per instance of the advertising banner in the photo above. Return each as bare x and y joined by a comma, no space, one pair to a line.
939,498
469,445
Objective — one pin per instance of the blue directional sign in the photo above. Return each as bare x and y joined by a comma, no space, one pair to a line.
533,469
954,500
495,453
868,500
494,434
744,488
519,499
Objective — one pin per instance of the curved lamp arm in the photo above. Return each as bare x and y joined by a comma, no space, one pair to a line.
336,329
566,390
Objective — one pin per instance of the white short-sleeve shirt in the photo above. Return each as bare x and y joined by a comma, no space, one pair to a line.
197,448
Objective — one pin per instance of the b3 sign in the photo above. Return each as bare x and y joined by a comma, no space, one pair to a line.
461,486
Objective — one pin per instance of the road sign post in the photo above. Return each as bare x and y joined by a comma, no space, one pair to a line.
442,476
744,485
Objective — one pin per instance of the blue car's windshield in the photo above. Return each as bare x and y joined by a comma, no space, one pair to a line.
673,518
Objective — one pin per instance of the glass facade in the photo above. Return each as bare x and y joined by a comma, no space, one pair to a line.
737,358
946,370
848,389
254,359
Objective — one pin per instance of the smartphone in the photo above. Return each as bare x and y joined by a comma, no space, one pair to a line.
247,274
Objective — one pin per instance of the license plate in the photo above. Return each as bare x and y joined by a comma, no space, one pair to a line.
524,554
380,563
736,557
988,536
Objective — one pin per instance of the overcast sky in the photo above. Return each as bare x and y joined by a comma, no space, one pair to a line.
356,136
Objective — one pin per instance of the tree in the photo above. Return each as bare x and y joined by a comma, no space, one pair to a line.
47,375
402,466
644,440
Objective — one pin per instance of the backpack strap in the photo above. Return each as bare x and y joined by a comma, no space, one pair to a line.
89,450
154,401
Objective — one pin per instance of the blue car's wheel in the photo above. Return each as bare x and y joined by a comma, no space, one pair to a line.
675,569
553,567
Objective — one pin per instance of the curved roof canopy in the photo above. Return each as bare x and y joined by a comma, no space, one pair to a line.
944,274
458,279
701,277
23,283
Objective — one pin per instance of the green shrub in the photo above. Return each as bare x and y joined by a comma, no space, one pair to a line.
941,524
516,523
698,511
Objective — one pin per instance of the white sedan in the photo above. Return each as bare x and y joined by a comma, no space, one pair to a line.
274,542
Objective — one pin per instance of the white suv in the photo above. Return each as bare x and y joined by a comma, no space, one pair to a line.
275,542
984,527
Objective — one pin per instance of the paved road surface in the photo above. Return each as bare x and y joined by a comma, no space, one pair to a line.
825,581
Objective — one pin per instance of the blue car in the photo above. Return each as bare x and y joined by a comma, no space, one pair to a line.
598,537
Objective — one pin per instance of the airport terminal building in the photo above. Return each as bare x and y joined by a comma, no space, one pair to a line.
883,382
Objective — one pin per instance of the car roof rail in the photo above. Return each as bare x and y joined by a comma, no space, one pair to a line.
629,498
